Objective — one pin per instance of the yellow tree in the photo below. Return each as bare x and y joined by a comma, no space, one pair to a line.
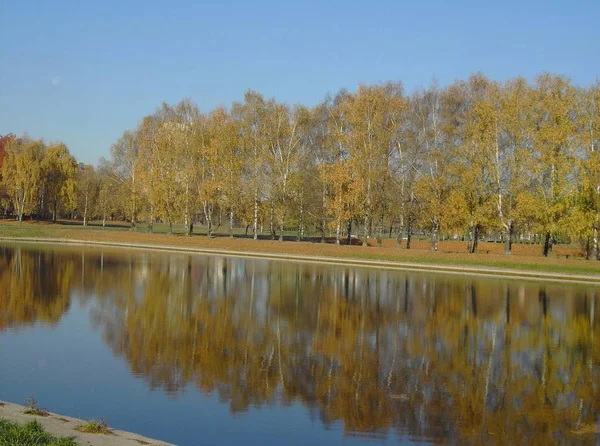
187,152
123,173
476,133
107,206
286,128
22,173
342,198
59,169
513,161
555,128
231,162
588,197
251,116
433,186
147,133
406,167
369,131
87,191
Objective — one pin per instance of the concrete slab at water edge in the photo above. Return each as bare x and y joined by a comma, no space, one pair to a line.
64,426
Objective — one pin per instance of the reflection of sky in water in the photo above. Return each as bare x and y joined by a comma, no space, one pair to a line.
408,341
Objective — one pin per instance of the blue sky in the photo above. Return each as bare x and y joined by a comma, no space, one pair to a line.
84,71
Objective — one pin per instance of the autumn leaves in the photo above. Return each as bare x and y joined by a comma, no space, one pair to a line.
514,160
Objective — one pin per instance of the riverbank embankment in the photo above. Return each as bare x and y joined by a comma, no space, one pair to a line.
65,426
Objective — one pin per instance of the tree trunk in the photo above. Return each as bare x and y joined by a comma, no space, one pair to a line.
272,222
400,232
474,238
547,244
208,216
170,228
596,249
365,241
468,234
509,238
380,231
231,224
349,235
301,220
408,233
255,222
186,221
151,220
132,227
104,220
21,206
85,211
588,248
434,234
338,231
280,232
186,212
323,214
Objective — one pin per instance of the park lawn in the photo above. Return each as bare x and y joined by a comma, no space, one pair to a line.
451,253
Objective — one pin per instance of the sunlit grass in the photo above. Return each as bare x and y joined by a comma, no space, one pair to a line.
452,253
31,433
94,427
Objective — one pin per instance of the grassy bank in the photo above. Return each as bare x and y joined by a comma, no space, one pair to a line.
565,259
31,433
19,425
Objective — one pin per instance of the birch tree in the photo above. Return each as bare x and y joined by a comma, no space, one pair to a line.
588,197
21,173
554,124
230,162
251,118
87,191
123,172
58,171
432,188
513,160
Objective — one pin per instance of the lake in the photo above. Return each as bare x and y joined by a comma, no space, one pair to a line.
196,349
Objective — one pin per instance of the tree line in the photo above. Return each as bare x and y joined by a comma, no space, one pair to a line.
516,159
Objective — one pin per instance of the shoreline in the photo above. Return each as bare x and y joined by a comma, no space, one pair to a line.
64,426
490,272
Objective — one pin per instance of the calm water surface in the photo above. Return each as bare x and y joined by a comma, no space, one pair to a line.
204,350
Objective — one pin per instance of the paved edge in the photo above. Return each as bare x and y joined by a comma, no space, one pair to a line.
498,273
64,426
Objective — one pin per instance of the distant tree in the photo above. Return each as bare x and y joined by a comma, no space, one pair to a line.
22,173
553,137
4,197
58,172
88,188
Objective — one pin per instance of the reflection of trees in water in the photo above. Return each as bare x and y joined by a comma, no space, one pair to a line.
431,356
34,286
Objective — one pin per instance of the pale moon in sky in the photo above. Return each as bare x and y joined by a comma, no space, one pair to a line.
56,80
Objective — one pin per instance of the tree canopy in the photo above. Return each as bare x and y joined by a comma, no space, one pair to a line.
517,160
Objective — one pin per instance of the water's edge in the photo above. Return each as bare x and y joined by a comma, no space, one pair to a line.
499,273
64,426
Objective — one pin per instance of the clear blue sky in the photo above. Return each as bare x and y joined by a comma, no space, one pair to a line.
84,71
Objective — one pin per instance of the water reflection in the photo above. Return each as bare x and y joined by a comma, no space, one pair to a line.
437,358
